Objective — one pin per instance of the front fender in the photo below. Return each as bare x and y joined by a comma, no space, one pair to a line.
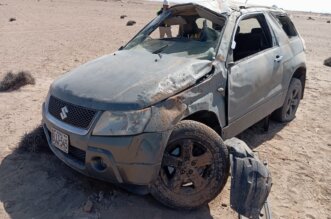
202,96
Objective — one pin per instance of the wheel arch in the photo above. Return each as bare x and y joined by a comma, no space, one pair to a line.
301,74
207,118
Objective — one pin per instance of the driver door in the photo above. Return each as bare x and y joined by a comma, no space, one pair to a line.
256,73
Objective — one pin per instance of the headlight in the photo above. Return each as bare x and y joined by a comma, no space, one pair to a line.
122,123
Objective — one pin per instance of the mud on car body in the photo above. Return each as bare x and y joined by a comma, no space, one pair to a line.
154,114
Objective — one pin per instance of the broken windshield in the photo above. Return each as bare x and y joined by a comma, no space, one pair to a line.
185,31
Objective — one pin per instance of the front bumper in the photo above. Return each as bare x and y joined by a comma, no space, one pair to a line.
132,160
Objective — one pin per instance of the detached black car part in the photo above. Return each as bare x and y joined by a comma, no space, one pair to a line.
250,180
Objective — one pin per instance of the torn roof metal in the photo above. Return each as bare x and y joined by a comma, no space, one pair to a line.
227,6
218,6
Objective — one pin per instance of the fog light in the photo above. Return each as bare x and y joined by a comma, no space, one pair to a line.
98,164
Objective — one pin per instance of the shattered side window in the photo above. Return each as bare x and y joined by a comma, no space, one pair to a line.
186,33
285,22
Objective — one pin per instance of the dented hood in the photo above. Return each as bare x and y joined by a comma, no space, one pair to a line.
128,80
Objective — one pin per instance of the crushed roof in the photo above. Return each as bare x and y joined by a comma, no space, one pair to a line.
227,6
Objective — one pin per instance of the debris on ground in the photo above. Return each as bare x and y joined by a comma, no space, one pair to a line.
327,62
130,23
328,22
34,141
123,16
310,18
14,81
12,19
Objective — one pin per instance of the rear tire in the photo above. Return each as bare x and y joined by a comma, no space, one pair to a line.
194,168
287,112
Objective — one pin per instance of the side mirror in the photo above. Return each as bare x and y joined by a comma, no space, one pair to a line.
233,45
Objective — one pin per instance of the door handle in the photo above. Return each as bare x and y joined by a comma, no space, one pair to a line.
279,58
221,90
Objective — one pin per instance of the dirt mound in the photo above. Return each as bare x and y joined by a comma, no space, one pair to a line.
327,62
35,141
130,23
14,81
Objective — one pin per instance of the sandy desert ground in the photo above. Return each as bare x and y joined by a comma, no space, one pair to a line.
50,37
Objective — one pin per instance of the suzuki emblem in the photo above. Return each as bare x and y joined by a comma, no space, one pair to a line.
64,111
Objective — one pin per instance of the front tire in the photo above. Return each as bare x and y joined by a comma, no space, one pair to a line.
287,112
194,168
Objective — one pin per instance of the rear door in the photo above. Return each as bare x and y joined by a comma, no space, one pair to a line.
255,74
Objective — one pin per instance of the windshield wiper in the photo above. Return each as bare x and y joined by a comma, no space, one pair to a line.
160,49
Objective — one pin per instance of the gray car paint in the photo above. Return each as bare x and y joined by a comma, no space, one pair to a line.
174,88
121,81
258,104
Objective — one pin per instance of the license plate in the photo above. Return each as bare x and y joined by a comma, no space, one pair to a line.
60,140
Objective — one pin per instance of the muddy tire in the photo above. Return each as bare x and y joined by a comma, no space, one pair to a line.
194,168
287,112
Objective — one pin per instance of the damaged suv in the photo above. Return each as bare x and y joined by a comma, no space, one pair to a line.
152,116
